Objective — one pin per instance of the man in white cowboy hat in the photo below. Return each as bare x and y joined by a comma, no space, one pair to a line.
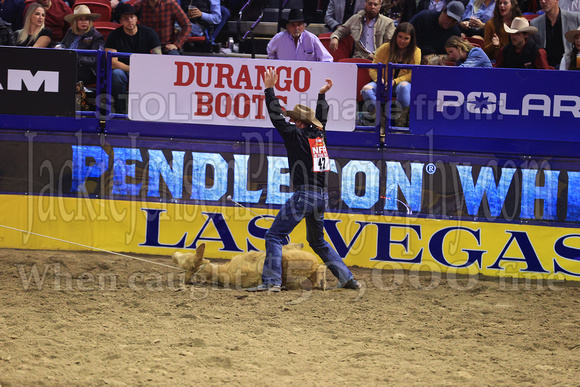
309,164
571,60
369,30
296,43
522,52
83,36
552,25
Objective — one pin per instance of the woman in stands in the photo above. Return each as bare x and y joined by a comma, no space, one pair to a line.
571,60
477,13
34,33
83,36
402,48
464,54
495,36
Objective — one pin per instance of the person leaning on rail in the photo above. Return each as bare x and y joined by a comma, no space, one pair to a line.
464,54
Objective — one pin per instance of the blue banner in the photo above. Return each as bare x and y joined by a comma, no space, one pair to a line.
540,105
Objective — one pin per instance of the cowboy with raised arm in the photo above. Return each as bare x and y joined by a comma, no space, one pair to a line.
308,161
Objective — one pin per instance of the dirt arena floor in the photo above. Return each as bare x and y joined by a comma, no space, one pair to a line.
70,318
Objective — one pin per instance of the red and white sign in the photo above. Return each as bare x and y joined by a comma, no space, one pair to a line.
230,91
320,159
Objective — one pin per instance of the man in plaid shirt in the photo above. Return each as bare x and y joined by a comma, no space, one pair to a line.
161,15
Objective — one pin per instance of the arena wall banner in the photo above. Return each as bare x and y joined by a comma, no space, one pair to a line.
37,82
230,91
397,210
496,103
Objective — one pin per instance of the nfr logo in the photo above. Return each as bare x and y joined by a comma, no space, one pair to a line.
19,80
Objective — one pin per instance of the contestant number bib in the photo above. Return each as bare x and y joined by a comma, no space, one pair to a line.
320,160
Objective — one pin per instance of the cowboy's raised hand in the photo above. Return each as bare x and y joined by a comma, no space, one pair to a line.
270,78
326,87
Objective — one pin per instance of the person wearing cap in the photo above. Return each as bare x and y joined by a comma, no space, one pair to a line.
162,15
56,10
83,36
309,164
368,28
552,25
341,10
296,43
132,38
571,60
433,29
464,54
522,52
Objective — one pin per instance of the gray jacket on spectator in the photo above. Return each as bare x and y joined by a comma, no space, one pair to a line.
335,12
570,21
383,31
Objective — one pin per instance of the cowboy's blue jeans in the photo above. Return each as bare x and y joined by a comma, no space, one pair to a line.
309,205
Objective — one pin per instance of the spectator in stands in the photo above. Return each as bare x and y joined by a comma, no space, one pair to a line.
400,11
34,33
477,13
433,29
12,11
161,15
6,34
529,5
56,10
341,10
369,30
431,5
83,36
296,43
402,48
570,5
551,28
464,54
495,37
206,15
571,60
132,38
522,52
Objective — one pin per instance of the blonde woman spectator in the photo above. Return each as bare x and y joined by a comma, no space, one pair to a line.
495,36
464,54
34,33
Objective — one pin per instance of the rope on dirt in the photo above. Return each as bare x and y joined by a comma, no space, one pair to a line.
94,248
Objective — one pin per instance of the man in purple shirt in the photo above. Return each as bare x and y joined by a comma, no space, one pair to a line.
296,43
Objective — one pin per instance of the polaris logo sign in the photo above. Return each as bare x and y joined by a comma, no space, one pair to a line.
536,105
32,82
477,102
37,82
